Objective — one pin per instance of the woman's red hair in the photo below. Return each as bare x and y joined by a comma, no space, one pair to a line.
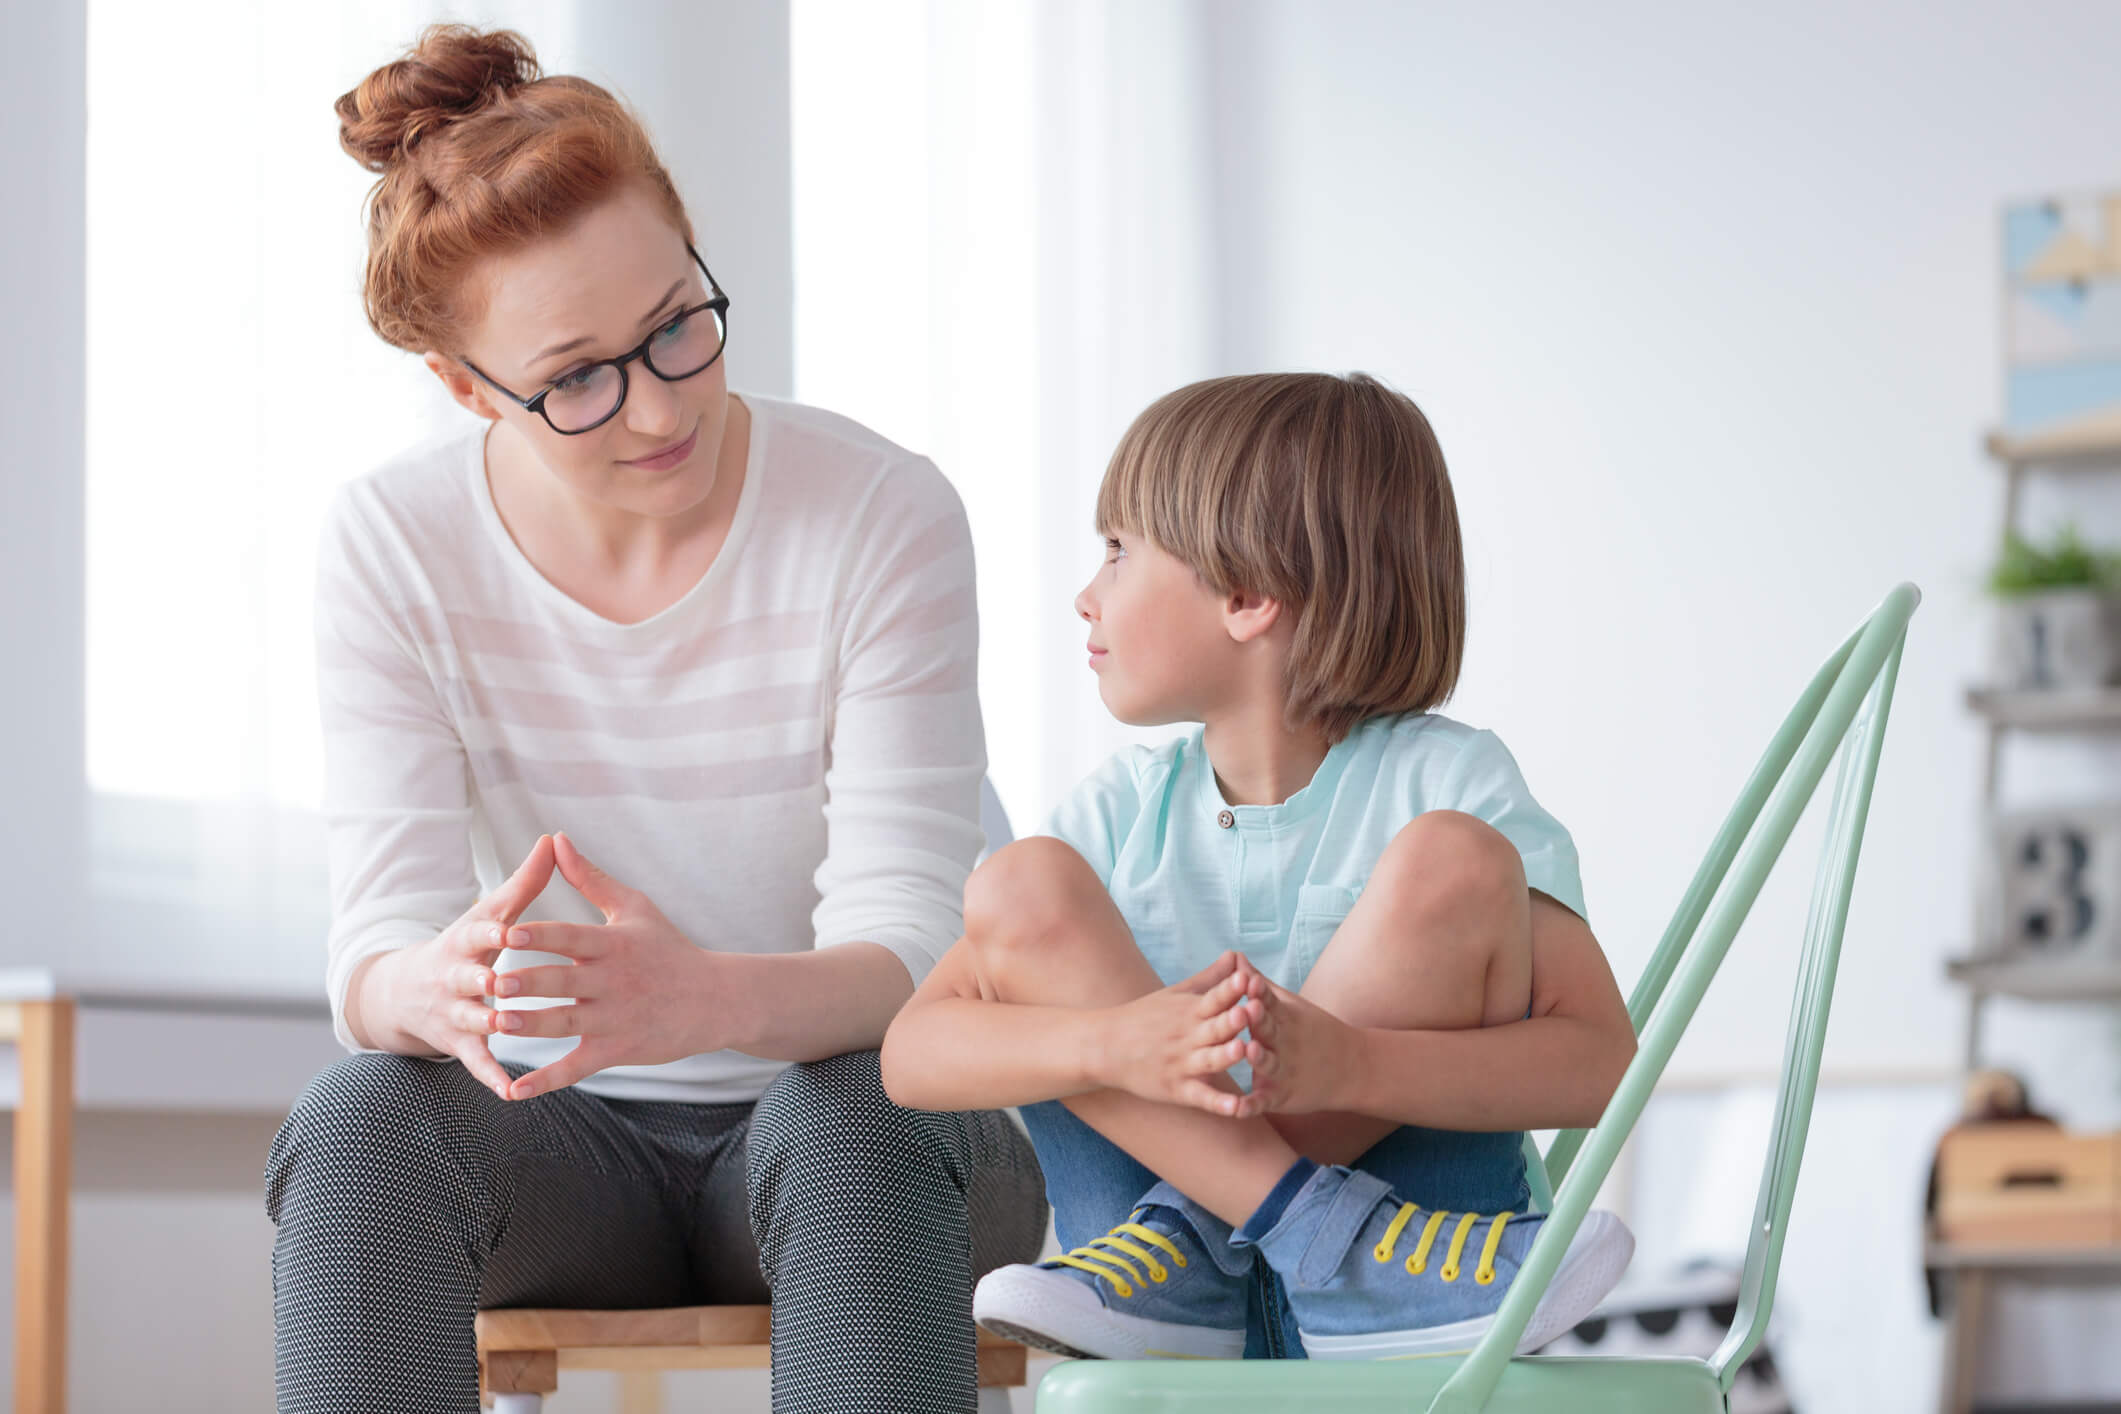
479,155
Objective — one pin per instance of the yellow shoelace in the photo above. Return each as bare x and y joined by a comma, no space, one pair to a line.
1484,1273
1117,1268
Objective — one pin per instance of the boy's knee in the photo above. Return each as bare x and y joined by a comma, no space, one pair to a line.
1025,891
1449,863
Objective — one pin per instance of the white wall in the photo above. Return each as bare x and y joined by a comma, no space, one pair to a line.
711,80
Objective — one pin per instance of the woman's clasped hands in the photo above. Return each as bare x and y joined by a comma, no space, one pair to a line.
637,991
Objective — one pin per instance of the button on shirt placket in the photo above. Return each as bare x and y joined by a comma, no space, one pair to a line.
1253,898
1234,843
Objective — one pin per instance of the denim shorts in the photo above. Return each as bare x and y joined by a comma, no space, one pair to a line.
1093,1184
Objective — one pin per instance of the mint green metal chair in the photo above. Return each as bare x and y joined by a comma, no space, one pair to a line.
1844,709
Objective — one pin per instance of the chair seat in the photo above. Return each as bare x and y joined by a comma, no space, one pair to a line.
525,1348
1571,1384
530,1328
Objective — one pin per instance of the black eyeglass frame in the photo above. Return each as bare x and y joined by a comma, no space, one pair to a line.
718,302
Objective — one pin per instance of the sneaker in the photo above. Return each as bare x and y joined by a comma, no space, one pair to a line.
1165,1284
1371,1277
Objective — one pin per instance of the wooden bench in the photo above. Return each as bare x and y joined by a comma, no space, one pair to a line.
521,1352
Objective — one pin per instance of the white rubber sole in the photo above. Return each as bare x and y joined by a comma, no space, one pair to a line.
1591,1267
1045,1309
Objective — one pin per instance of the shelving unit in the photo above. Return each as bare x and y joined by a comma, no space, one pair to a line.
2058,711
1974,1269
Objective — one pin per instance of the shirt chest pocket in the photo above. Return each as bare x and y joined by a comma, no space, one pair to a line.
1320,910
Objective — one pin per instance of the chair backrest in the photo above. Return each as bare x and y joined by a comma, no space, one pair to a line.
1844,709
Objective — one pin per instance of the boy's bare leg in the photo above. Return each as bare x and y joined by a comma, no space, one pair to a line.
1045,933
1441,940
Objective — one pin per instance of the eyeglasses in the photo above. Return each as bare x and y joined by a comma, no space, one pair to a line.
585,398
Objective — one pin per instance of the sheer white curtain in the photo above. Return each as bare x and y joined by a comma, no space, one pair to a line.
1002,254
233,384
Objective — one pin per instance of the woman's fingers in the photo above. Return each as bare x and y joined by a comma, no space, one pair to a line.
477,939
578,1064
505,904
578,941
545,1021
474,1017
483,1067
610,897
553,980
471,979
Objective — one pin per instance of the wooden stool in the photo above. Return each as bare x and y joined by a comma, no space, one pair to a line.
522,1352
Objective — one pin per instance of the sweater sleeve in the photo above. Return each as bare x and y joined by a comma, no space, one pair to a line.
905,750
396,807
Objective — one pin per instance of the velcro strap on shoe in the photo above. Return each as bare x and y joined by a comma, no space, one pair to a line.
1346,1212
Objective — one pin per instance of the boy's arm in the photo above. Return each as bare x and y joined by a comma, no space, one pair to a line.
1555,1070
952,1048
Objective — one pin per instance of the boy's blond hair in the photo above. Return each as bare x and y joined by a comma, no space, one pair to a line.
1328,494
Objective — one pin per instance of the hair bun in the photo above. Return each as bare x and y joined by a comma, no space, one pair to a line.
452,72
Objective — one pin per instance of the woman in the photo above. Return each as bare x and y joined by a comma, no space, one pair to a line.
721,646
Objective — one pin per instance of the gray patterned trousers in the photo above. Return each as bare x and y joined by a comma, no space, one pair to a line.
408,1197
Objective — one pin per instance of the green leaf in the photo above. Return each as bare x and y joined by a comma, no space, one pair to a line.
2023,567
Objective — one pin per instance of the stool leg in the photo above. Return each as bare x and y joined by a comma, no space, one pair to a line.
520,1379
640,1392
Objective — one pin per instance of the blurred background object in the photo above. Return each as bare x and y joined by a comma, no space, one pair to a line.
2014,1202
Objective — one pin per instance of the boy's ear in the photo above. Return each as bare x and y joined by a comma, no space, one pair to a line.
1250,616
467,390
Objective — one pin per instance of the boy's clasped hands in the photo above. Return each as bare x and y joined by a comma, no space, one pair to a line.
1173,1045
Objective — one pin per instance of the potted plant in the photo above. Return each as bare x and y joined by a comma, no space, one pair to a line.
2057,624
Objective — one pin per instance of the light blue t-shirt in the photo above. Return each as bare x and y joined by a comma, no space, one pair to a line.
1192,874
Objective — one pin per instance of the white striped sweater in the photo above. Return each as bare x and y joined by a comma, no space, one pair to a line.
788,757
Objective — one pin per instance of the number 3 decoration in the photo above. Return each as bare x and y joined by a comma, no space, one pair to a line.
2054,886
